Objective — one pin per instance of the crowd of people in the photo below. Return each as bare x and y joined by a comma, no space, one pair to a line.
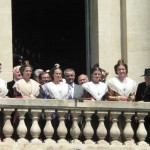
58,84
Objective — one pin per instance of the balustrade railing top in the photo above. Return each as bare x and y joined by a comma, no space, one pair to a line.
75,105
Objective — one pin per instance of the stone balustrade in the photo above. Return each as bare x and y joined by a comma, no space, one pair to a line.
73,125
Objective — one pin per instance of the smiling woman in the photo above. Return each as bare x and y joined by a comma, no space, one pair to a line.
50,31
121,87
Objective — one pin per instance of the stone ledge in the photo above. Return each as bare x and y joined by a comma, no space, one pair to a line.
45,146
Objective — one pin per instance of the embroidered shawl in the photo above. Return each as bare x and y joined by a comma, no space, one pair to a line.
30,88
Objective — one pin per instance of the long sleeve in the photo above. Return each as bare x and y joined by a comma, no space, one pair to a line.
112,95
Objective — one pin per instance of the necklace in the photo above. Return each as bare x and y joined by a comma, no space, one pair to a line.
59,88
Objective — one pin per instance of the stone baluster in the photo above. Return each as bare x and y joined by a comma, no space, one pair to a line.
62,130
88,130
35,129
128,131
48,129
8,128
101,130
115,131
141,131
22,129
75,130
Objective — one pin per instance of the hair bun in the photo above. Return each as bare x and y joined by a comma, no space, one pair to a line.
57,65
120,61
96,65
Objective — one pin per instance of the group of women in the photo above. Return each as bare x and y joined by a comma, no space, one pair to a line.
118,88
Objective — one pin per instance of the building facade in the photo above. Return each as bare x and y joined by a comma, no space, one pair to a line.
116,29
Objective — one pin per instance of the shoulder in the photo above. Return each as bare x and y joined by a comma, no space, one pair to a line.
77,86
112,80
64,84
130,80
2,81
20,81
84,85
33,81
103,84
142,84
10,83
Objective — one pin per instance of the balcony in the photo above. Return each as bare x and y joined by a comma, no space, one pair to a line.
27,124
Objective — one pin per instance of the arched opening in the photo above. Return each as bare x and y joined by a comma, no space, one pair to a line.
48,32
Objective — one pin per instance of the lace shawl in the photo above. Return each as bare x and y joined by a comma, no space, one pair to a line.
30,88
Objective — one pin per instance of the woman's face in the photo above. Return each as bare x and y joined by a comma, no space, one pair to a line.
96,76
57,75
121,71
27,73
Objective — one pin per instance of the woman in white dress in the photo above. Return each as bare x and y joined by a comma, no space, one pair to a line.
26,87
3,86
121,87
56,88
95,89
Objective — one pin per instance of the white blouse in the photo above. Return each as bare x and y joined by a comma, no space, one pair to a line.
96,90
57,91
3,88
124,89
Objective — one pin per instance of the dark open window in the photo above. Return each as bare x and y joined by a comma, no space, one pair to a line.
46,32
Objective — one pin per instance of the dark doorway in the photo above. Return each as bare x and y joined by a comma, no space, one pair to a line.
46,32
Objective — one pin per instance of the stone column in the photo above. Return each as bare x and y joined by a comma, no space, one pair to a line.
115,131
48,129
141,131
22,129
8,128
62,130
105,33
6,39
75,130
101,130
35,129
128,131
88,130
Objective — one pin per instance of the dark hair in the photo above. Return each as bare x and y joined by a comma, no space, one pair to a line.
53,70
95,68
120,62
40,75
22,68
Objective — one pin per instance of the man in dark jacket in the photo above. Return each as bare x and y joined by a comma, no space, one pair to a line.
143,90
16,76
143,94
